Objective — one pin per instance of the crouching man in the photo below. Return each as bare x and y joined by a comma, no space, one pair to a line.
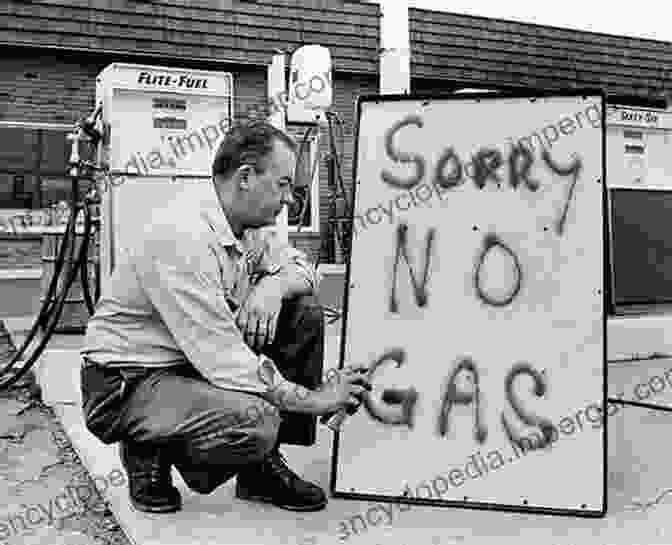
206,348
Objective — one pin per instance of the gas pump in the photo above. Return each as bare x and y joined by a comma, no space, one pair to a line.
162,127
639,183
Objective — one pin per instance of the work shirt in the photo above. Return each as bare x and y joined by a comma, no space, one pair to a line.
173,295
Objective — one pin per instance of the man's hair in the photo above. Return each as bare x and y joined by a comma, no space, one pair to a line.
248,143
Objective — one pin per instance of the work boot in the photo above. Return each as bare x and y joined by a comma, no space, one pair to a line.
272,481
150,484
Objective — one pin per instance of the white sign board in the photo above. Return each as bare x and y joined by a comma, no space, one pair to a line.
475,289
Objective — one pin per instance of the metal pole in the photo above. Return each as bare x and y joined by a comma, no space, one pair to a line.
395,55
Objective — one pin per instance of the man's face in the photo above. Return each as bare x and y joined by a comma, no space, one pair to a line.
270,190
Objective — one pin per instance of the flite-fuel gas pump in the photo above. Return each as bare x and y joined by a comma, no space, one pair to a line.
161,128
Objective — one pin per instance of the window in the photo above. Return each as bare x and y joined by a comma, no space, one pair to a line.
304,215
641,249
33,165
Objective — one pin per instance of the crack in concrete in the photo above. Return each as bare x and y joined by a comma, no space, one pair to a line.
645,506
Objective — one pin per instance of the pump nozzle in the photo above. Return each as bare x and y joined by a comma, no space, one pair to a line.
88,125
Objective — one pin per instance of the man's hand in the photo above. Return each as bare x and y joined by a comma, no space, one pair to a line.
335,394
258,315
345,390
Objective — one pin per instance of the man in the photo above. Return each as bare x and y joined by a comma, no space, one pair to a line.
205,351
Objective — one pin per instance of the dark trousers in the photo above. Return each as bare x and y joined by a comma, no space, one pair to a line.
209,430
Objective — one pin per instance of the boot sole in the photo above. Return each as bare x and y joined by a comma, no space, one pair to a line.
142,507
267,499
155,509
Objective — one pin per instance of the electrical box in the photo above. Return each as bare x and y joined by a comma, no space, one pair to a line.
310,84
162,127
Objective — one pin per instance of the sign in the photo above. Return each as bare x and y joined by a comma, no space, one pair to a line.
475,293
161,78
183,81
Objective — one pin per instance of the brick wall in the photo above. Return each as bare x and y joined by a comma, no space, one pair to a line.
242,31
45,87
480,51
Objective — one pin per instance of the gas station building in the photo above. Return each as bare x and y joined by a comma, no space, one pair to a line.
54,50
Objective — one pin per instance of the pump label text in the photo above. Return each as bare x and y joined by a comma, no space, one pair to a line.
183,81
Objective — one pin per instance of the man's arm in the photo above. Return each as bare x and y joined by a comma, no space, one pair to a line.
331,397
288,396
285,273
291,273
290,282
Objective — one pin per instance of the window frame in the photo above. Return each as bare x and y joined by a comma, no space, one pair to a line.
36,172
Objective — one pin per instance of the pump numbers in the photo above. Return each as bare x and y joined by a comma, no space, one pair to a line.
170,123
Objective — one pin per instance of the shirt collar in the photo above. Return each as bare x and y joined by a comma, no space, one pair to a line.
211,211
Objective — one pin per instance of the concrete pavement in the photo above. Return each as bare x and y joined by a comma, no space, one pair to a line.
640,508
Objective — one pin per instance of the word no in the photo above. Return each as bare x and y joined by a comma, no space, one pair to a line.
421,295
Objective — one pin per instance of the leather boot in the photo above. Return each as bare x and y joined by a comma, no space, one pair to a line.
149,480
272,481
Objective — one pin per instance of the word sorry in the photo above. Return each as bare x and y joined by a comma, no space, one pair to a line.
485,165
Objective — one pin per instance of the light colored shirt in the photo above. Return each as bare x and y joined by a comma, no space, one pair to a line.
173,295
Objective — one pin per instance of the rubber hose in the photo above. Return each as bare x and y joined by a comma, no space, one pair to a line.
299,160
88,228
47,306
60,304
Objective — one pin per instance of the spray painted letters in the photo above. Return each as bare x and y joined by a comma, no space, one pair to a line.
484,167
451,172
